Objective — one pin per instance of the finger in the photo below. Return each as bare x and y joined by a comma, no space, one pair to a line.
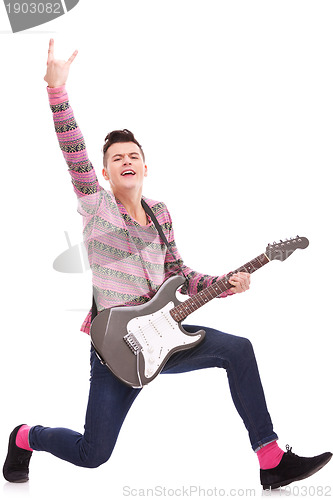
241,278
233,281
73,56
50,53
236,279
243,274
236,284
239,285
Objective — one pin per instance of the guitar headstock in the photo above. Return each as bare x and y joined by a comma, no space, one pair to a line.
283,249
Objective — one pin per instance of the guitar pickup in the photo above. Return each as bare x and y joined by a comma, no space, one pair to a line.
133,343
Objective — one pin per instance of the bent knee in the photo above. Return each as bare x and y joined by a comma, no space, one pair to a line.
246,346
95,460
243,349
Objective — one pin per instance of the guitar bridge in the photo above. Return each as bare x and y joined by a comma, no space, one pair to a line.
133,343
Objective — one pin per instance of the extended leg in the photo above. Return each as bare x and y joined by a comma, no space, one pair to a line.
109,402
236,355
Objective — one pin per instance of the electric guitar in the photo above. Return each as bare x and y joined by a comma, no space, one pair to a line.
135,342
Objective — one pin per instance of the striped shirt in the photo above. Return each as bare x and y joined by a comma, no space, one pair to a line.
129,262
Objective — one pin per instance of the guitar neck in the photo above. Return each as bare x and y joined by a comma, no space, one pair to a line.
180,312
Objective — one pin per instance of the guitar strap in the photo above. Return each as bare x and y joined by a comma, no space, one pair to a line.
148,211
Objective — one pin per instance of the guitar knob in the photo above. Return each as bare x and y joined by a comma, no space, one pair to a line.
151,361
150,350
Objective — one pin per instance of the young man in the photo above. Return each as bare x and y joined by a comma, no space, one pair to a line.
129,262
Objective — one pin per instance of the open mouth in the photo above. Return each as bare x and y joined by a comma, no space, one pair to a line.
128,172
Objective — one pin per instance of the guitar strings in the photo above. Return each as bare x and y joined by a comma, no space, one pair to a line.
197,301
192,301
143,337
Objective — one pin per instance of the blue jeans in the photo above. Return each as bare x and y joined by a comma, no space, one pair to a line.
110,399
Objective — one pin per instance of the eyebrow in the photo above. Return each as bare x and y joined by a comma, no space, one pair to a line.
121,155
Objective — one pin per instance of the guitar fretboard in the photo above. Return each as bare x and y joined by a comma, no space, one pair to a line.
180,312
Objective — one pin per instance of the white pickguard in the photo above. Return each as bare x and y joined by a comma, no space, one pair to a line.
157,334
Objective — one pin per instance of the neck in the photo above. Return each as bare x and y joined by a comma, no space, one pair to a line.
132,204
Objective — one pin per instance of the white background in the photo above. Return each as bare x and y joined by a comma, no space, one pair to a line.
232,101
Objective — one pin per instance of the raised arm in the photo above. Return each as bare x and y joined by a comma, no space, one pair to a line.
69,135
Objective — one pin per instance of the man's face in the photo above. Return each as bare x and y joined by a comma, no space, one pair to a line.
124,167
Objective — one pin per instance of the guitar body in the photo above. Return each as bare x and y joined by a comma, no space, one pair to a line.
135,342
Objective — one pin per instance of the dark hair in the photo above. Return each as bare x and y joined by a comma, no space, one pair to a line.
120,136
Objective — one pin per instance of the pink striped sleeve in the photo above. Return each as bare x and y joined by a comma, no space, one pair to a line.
72,143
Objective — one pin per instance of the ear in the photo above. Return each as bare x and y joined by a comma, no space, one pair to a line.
105,174
146,171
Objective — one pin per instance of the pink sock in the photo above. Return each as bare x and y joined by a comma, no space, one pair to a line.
22,438
270,455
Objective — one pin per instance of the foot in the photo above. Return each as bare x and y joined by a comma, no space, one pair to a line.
292,468
16,466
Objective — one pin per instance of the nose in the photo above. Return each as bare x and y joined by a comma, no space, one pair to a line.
126,160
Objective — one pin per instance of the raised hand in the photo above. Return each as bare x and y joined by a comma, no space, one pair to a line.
57,70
